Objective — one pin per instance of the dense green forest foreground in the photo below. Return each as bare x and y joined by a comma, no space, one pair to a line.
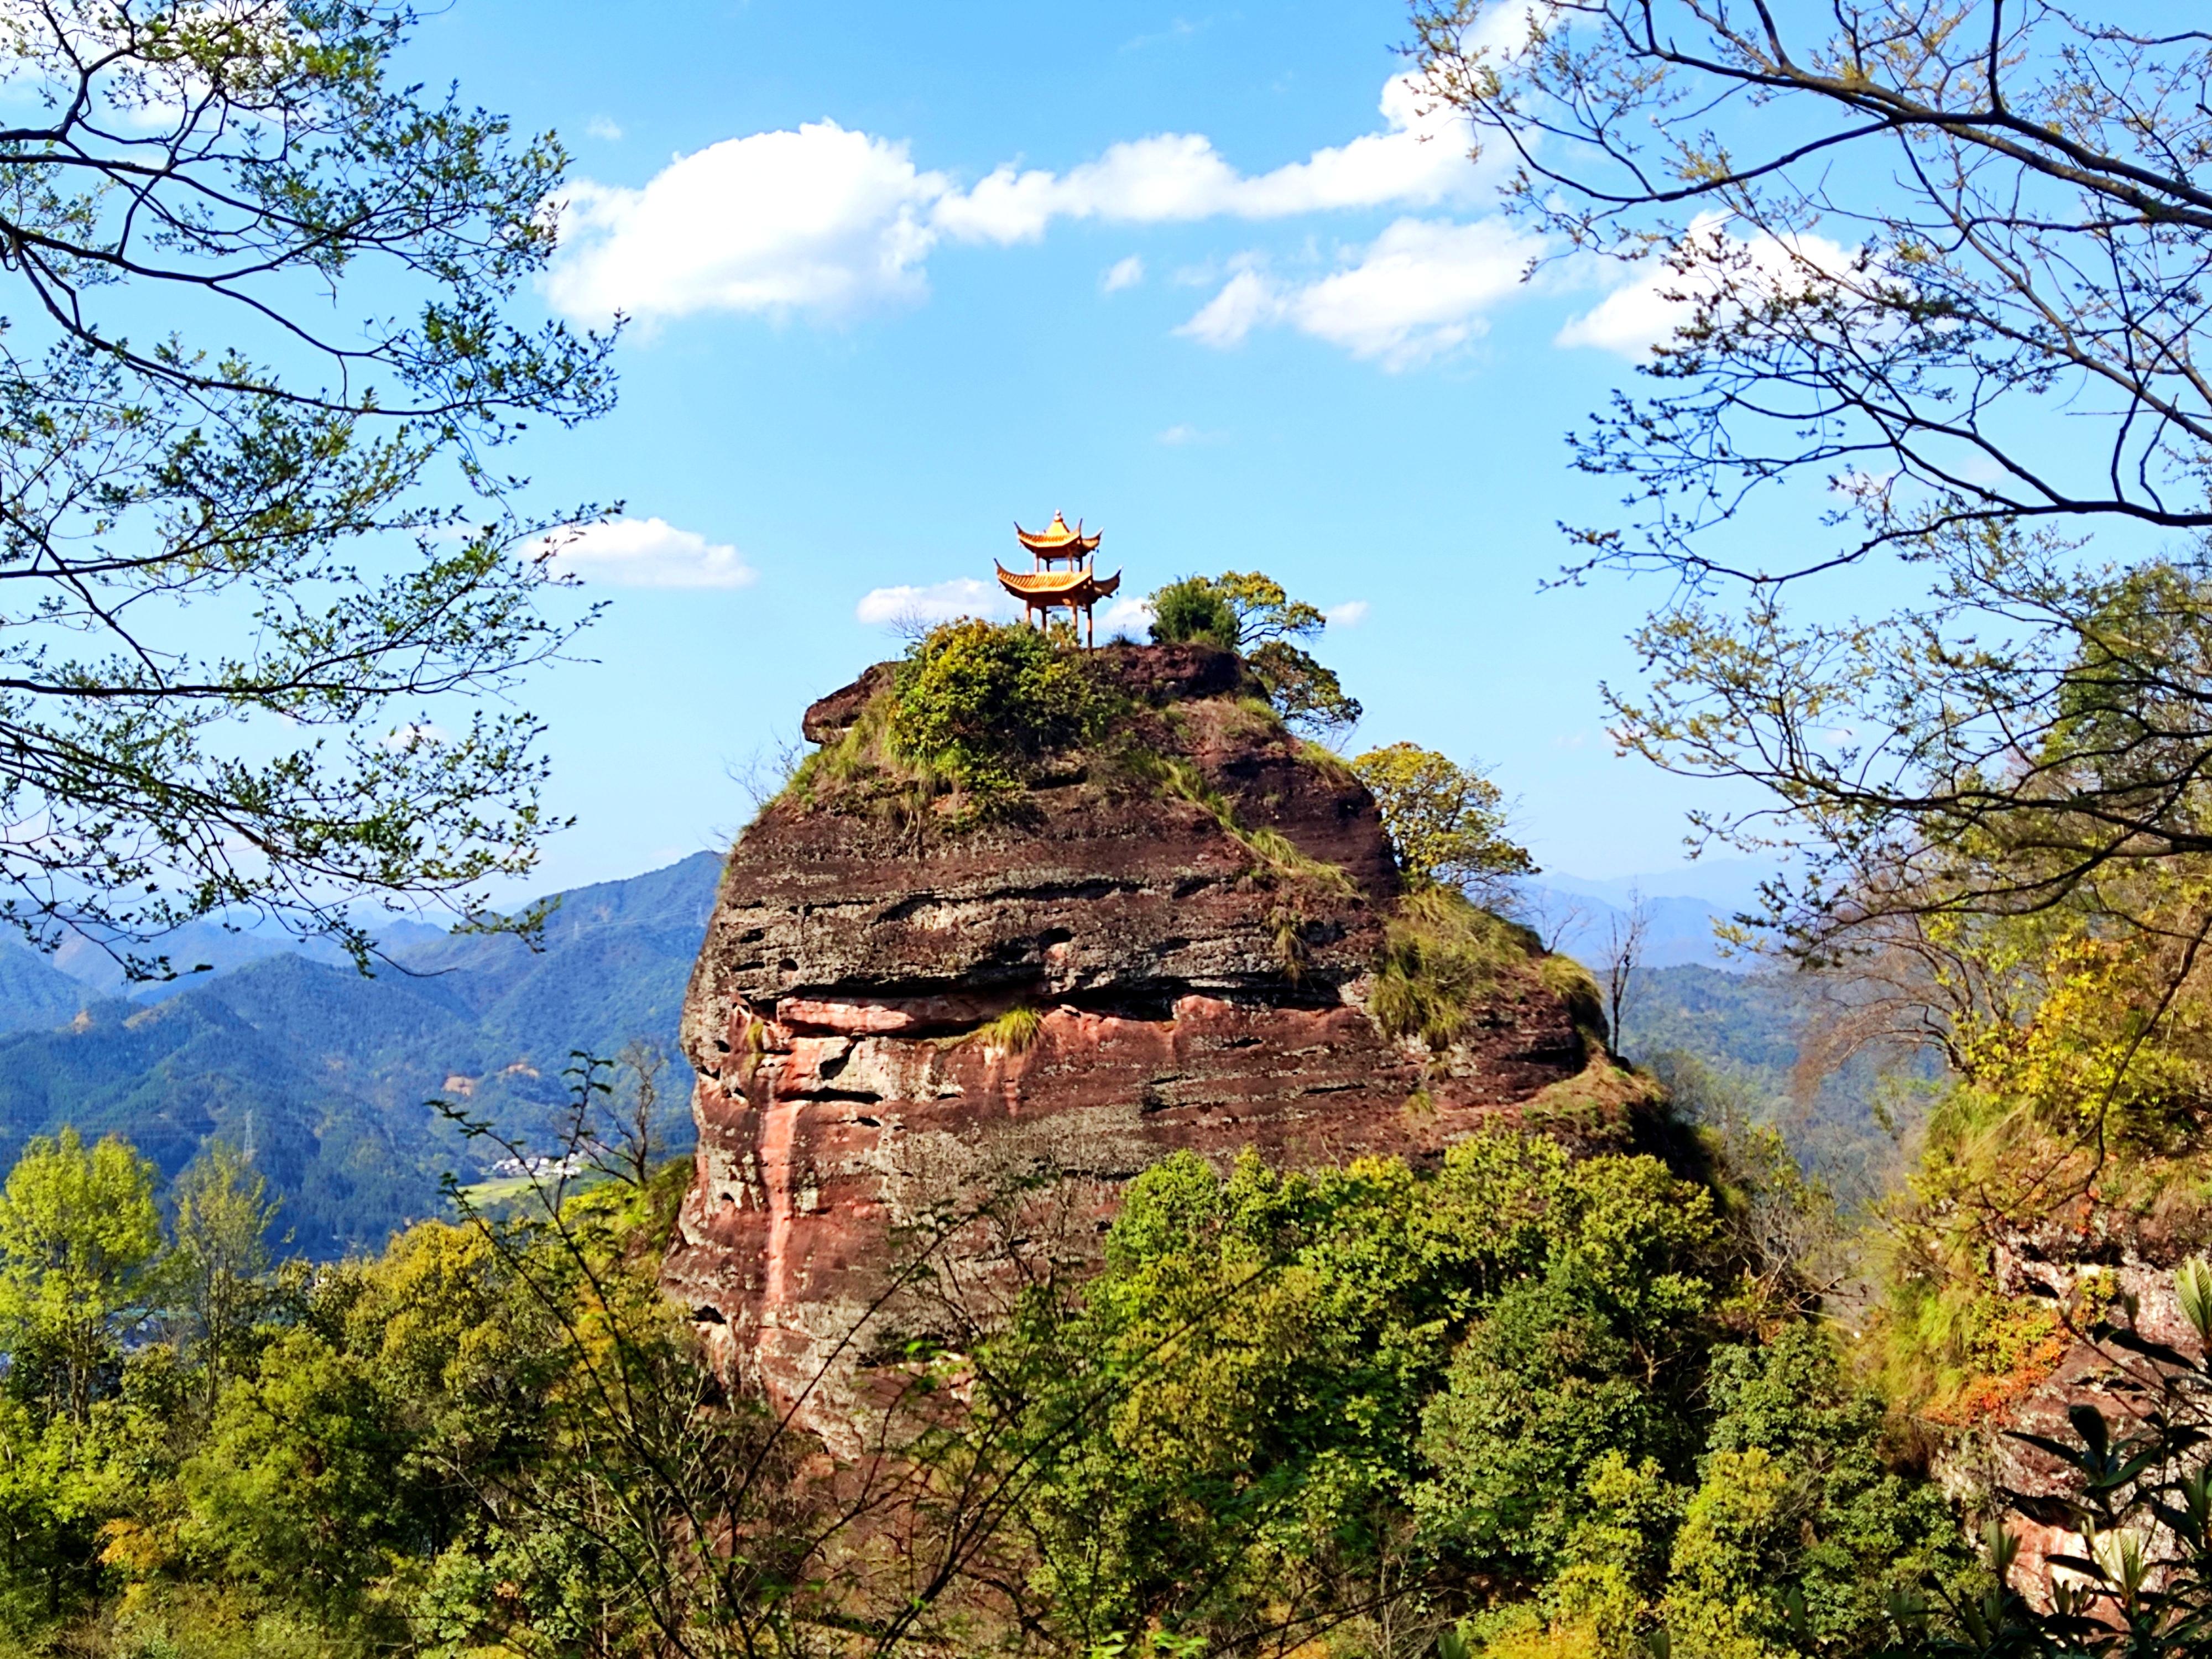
1570,1392
1533,1404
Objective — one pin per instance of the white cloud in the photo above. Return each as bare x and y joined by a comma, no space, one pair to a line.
1122,273
1180,433
826,221
645,553
1131,617
402,738
600,127
1350,614
963,596
1646,311
1421,159
1246,301
822,220
1419,289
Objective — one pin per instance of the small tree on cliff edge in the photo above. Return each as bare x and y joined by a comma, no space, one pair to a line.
1247,612
1446,822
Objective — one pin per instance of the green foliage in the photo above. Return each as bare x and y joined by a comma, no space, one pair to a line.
220,1261
1446,822
1800,1533
983,704
1513,1383
1442,955
1195,608
1518,1404
78,1230
281,508
1304,693
1249,612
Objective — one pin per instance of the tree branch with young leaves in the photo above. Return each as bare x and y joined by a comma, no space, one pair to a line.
249,550
1936,275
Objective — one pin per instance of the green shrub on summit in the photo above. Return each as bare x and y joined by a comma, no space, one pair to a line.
1195,610
984,703
1247,612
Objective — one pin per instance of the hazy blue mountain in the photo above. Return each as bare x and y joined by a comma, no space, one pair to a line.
1727,885
325,1071
34,994
1678,929
202,949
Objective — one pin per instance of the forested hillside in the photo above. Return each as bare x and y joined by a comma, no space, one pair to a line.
325,1072
1729,1045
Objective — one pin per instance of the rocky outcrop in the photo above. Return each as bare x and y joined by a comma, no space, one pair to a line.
892,1015
2086,1268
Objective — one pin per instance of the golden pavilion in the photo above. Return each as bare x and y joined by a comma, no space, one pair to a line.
1045,587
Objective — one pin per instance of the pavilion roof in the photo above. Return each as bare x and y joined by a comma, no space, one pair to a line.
1057,540
1059,586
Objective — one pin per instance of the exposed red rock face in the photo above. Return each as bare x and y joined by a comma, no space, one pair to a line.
1181,1001
2102,1263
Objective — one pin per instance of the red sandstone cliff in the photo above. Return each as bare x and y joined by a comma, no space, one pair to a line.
1188,995
2089,1264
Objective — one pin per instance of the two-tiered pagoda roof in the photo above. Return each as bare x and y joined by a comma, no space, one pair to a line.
1043,589
1057,541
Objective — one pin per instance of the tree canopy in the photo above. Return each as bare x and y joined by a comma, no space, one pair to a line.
1249,612
254,384
1896,246
1446,822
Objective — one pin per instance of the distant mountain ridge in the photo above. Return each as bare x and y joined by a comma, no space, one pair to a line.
325,1072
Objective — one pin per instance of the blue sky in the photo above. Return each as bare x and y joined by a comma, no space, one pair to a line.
904,274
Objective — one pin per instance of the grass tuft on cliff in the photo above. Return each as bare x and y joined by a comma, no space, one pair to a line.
1012,1032
1272,852
1442,956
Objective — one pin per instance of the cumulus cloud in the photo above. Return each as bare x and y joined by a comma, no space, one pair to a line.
600,127
1350,614
1131,617
823,220
645,553
1122,273
826,221
963,596
1646,311
1419,289
1180,433
1420,158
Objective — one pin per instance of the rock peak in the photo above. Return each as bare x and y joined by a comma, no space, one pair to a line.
1176,941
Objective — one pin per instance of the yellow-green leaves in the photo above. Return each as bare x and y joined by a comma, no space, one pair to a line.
78,1230
1446,822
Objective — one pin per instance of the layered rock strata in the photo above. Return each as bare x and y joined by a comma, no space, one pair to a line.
892,1015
